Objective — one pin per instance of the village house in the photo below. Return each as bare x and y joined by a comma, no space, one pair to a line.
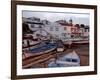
71,30
84,29
57,31
60,29
86,32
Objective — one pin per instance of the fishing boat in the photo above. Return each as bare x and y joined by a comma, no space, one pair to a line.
81,42
41,48
68,60
71,59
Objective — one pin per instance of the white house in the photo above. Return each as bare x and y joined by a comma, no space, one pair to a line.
57,31
61,29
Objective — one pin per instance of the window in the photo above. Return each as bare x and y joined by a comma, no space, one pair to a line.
69,34
74,60
85,30
68,59
65,28
64,34
72,29
51,28
57,29
72,36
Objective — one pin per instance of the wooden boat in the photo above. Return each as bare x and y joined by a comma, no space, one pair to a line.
69,60
39,49
81,42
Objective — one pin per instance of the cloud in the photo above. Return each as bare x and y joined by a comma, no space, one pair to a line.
54,16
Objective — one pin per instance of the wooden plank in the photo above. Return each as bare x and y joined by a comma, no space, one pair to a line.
33,59
38,61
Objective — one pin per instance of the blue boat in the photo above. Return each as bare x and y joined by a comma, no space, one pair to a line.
42,48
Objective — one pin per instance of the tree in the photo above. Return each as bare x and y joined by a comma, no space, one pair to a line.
25,28
82,25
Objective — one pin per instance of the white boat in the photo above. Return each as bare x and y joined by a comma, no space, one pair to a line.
71,59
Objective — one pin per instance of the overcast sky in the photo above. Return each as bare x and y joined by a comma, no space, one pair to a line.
54,16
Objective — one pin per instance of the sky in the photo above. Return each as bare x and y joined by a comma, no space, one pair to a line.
78,18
